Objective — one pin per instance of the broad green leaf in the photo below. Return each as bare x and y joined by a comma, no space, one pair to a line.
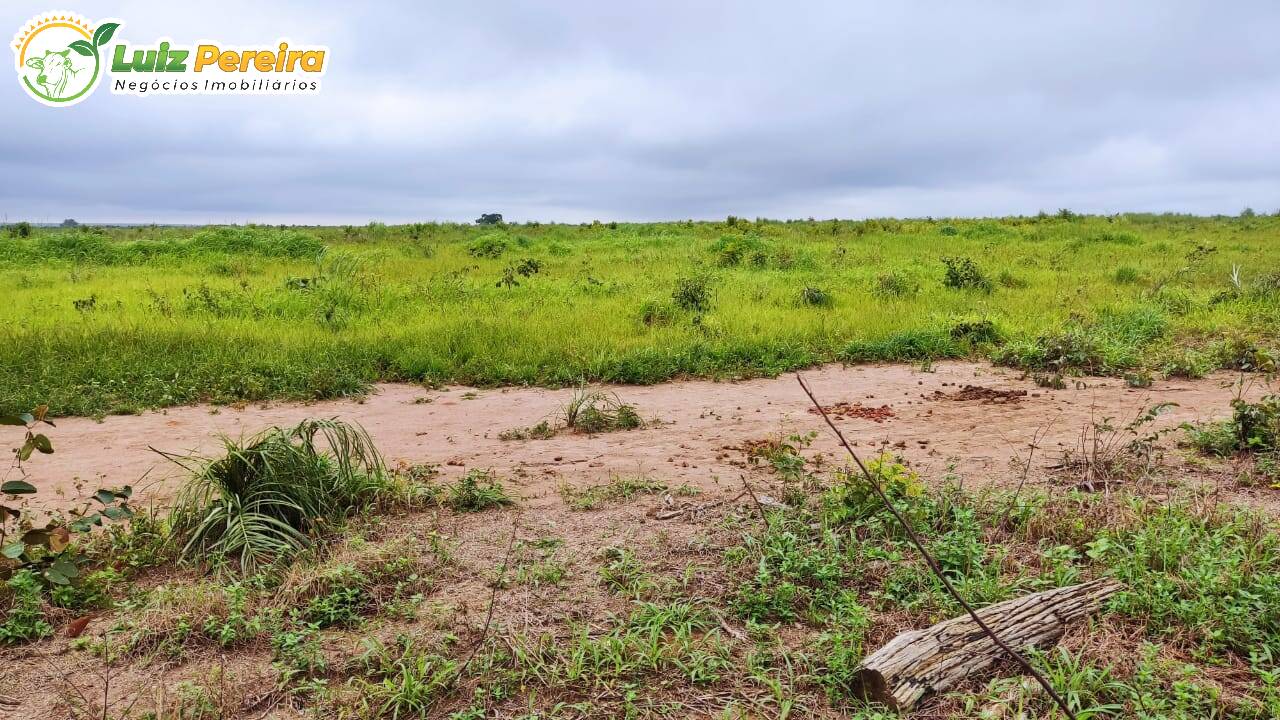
104,496
24,452
117,513
56,577
82,47
103,34
17,487
65,567
14,549
11,420
42,444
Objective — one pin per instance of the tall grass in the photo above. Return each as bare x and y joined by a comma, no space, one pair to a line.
273,495
169,316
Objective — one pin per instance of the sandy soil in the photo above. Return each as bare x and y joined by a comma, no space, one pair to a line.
696,427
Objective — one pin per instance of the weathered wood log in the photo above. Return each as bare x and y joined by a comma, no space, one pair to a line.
919,662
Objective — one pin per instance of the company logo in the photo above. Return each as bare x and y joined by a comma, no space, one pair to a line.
61,57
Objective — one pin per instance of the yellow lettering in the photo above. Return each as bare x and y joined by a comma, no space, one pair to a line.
228,61
313,60
205,55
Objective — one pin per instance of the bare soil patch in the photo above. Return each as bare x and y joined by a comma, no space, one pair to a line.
458,428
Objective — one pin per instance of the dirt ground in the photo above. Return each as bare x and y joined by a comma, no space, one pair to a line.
971,421
964,418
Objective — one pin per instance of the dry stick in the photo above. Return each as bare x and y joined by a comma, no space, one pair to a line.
932,563
493,597
752,493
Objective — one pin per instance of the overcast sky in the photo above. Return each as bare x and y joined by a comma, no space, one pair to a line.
576,110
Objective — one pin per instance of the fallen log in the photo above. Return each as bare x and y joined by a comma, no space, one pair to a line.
919,662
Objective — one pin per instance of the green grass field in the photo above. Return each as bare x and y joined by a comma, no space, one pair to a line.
117,320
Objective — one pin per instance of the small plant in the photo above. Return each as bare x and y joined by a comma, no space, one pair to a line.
623,573
976,332
593,412
1253,427
477,491
528,267
1125,275
895,284
815,297
963,273
20,229
488,246
693,293
542,431
271,496
1107,454
655,313
25,619
620,488
1139,379
1011,281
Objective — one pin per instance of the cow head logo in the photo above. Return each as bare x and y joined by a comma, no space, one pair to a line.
58,56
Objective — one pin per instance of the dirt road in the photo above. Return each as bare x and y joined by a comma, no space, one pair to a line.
695,430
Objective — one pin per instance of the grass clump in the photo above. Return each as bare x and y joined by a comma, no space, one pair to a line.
274,495
592,412
541,431
477,491
895,284
619,489
815,297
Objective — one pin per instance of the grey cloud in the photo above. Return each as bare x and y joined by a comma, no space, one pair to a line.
576,110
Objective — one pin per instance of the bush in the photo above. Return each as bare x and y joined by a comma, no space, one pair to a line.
964,274
270,496
895,284
1253,427
653,312
815,297
733,250
1125,275
489,246
693,293
21,229
976,331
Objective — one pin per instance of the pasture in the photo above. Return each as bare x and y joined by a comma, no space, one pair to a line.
101,321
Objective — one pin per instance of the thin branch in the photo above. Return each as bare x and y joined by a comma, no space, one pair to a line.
752,493
497,584
933,563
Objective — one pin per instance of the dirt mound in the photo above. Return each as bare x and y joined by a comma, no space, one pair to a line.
985,394
857,410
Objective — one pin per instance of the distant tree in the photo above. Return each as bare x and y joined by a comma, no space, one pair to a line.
489,219
21,229
1248,213
70,223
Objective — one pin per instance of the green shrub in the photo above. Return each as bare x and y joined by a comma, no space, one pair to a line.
895,284
477,491
815,297
271,496
25,619
693,293
963,273
489,246
1125,275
